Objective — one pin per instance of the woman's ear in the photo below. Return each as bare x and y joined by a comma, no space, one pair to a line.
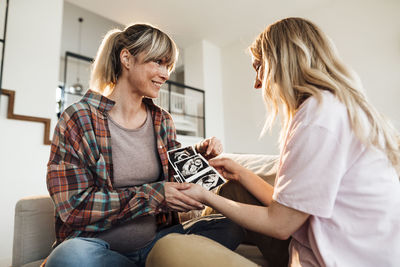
124,58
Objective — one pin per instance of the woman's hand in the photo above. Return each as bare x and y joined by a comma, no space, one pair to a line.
177,200
253,183
197,192
210,147
228,168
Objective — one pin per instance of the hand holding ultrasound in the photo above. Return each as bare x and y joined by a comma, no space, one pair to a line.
192,167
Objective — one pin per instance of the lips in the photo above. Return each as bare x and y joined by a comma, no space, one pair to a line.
158,84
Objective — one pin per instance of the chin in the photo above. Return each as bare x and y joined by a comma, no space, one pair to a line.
154,95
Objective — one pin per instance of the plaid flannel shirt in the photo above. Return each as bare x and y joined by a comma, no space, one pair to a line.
80,172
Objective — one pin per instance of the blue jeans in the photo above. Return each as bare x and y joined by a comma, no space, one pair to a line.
88,252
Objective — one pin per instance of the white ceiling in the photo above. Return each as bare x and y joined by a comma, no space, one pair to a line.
188,21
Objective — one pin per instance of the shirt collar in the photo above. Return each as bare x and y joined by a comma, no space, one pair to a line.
149,102
105,104
98,101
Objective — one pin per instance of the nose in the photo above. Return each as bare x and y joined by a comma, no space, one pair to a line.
257,83
164,73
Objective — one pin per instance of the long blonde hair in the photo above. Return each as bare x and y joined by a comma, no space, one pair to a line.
300,61
136,38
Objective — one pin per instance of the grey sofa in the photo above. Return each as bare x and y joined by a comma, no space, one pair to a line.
34,221
33,231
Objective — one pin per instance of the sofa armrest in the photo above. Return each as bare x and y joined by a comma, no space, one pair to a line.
33,229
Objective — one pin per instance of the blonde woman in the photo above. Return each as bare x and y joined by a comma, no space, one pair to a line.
337,192
108,171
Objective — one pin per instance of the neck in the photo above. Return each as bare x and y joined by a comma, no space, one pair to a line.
129,109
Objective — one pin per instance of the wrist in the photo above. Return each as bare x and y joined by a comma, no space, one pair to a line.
207,199
242,174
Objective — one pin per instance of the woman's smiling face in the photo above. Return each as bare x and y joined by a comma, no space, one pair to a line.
146,78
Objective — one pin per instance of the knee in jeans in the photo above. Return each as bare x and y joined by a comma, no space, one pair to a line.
231,234
235,230
76,252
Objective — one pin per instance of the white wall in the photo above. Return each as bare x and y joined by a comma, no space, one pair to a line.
93,28
212,70
243,105
367,35
193,62
368,39
203,70
31,69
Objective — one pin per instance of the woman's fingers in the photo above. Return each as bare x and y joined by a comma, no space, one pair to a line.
210,147
226,167
180,186
189,201
220,162
214,146
219,169
178,208
196,192
177,200
228,175
181,206
202,146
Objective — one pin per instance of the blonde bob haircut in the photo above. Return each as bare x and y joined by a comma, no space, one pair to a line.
136,38
296,61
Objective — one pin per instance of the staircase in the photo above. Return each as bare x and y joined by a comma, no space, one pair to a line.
11,115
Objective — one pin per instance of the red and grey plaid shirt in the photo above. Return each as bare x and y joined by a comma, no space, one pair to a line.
80,171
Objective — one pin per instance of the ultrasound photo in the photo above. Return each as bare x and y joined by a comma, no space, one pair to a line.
192,167
180,154
210,180
178,178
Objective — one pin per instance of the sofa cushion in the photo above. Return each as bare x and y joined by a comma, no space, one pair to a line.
34,263
33,229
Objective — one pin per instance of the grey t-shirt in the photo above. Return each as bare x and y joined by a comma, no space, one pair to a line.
136,162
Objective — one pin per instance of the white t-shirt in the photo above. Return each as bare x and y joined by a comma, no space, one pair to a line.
351,192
